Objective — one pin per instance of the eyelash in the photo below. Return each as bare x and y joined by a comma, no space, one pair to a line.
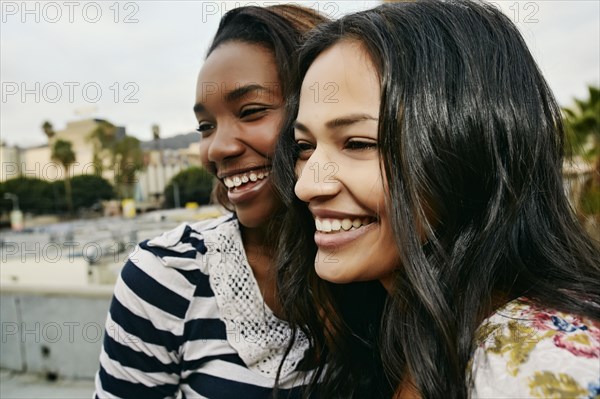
360,145
251,111
302,147
201,127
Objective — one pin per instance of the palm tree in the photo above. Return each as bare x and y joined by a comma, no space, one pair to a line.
583,126
103,139
128,159
62,152
155,132
582,123
124,153
48,129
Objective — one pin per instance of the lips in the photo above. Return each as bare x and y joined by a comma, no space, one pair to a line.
334,228
332,240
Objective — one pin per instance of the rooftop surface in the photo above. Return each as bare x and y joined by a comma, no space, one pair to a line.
30,386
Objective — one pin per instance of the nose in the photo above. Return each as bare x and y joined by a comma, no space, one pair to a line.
224,144
317,178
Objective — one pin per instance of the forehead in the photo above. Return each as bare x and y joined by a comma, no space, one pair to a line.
241,63
341,79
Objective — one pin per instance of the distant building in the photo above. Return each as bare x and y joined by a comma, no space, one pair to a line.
165,158
37,161
10,160
79,133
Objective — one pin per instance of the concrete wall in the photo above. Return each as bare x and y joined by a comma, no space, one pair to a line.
53,331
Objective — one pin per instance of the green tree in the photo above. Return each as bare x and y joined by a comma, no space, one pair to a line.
103,139
125,154
35,195
128,160
62,152
89,190
582,123
194,184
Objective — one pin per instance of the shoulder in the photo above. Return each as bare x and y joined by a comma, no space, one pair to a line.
168,271
180,247
527,350
187,240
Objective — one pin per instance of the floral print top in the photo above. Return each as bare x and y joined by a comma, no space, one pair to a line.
525,351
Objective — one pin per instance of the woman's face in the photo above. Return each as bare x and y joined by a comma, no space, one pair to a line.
338,167
239,108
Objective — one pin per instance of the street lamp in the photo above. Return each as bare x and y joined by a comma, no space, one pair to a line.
15,200
16,216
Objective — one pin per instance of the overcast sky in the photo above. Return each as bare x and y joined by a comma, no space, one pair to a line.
136,63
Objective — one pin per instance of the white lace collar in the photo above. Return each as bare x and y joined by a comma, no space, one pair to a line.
259,337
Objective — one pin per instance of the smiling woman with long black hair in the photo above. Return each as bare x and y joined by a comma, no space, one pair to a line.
194,311
446,149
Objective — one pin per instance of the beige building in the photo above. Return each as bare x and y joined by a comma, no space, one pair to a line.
160,170
37,161
10,161
160,164
79,134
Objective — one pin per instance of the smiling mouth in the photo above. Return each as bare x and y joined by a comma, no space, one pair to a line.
245,180
334,226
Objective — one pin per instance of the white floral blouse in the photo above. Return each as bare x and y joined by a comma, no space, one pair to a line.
526,351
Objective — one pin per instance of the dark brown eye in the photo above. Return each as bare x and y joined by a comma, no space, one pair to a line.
303,149
204,126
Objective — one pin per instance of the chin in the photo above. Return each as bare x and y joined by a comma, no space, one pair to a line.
330,269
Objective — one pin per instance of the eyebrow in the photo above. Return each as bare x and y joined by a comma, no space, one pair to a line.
343,121
236,94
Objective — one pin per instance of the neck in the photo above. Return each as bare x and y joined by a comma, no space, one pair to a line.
258,248
387,282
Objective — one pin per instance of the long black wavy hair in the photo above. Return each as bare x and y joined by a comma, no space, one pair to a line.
471,142
280,29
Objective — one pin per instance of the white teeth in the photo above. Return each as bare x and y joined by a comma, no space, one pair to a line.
346,224
243,178
335,225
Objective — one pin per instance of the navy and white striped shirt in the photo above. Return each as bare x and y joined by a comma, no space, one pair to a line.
187,320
